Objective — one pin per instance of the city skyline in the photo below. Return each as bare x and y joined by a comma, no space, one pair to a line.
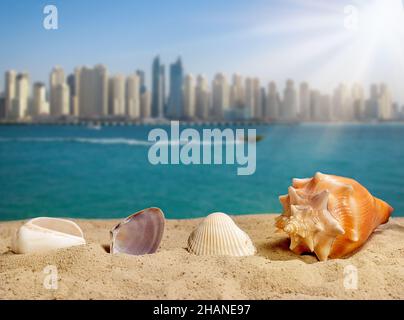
93,92
305,40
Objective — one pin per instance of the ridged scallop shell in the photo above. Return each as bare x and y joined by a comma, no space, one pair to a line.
329,215
43,234
139,233
217,234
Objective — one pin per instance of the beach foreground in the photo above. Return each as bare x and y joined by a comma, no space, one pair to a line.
90,272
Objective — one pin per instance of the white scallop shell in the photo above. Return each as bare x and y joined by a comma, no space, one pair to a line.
43,234
217,234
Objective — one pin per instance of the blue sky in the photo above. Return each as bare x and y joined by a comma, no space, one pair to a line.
270,39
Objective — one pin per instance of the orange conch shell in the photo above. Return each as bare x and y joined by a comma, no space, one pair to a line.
329,215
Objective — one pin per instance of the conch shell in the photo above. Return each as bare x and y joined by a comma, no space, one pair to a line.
139,233
217,234
329,215
43,234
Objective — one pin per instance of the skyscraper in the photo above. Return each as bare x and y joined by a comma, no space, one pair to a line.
358,102
289,105
74,104
40,105
273,102
10,91
142,80
237,104
257,103
315,105
175,109
372,104
59,93
342,104
202,98
320,106
158,89
253,101
396,110
326,104
2,107
385,103
263,101
249,95
220,96
237,92
61,99
145,105
189,97
93,91
304,101
133,96
20,105
117,95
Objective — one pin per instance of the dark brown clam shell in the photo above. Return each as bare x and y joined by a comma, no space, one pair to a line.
138,234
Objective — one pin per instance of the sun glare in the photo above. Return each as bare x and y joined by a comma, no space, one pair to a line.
358,41
381,19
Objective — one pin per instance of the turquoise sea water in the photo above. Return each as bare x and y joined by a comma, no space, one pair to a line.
72,171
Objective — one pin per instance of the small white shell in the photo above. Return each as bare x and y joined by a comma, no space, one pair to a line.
43,234
217,234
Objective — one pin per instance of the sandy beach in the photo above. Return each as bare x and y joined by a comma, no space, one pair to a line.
90,272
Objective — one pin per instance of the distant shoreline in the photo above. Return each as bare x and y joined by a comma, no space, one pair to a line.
103,122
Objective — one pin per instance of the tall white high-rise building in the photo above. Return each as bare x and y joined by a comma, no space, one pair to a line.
92,90
59,93
202,98
61,100
189,97
145,104
257,105
385,103
220,96
315,105
342,104
358,101
264,103
133,96
320,106
253,98
73,81
237,92
372,104
249,96
117,95
57,76
326,103
304,101
273,103
289,105
20,105
10,92
40,105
